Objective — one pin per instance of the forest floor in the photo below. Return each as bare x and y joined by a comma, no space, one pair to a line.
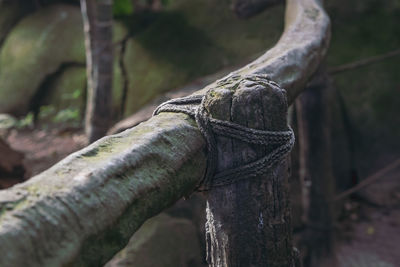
368,232
44,148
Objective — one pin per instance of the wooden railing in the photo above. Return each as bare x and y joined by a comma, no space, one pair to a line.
86,207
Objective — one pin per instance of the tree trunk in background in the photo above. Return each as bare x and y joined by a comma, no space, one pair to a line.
97,19
295,182
313,113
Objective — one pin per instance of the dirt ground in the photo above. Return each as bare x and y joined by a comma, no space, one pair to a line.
368,233
44,148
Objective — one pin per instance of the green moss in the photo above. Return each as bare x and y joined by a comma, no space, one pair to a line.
159,195
5,208
312,13
162,241
100,152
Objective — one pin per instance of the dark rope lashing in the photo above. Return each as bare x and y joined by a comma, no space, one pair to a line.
194,106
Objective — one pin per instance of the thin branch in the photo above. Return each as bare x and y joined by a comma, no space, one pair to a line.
363,62
374,177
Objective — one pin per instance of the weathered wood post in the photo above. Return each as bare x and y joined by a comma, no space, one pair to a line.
248,220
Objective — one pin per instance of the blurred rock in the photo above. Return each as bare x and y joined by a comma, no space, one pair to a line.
193,209
161,241
40,47
35,48
10,12
183,43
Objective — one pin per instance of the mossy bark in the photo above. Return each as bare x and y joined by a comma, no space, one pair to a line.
84,209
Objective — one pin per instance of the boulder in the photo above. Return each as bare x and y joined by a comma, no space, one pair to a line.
35,48
180,45
162,241
38,49
10,12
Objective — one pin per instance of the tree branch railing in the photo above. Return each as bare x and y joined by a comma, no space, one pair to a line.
85,208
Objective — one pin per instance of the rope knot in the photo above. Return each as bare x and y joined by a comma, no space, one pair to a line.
211,128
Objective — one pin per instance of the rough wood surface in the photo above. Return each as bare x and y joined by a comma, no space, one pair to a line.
248,222
85,208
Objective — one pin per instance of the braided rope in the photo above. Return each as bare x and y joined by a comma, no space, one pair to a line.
194,106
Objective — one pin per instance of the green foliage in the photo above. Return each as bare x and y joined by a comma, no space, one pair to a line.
67,115
122,7
27,121
72,96
49,114
46,111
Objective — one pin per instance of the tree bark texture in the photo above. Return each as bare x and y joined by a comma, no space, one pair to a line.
314,124
83,210
97,20
248,222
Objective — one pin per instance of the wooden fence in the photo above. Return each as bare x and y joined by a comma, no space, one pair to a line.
85,208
